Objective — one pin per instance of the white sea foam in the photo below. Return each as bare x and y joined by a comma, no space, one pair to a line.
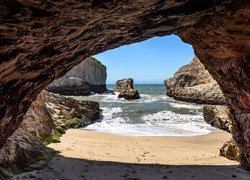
144,98
152,98
184,105
151,115
110,98
108,113
164,123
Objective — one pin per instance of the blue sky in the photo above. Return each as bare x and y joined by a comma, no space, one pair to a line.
147,62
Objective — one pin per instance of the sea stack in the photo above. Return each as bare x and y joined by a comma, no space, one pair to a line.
126,89
89,76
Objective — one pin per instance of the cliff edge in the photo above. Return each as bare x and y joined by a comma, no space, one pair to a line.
89,76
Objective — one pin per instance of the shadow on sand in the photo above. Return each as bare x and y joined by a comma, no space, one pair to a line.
64,168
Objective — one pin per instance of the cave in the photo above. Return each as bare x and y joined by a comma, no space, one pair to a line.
41,40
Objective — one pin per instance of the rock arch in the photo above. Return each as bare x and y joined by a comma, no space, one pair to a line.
41,40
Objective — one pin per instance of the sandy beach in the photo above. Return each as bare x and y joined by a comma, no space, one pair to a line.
92,155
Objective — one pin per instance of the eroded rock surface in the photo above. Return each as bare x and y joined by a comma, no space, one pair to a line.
42,40
47,118
218,116
129,94
51,111
126,90
230,150
193,83
89,75
21,150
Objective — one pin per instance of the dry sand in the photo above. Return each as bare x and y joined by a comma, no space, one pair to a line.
92,155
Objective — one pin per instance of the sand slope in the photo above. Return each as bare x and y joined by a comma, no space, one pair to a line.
91,155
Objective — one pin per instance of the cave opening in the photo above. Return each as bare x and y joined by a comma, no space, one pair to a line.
155,129
35,50
149,63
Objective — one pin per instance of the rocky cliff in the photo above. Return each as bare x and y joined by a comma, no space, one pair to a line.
89,75
41,40
47,118
193,83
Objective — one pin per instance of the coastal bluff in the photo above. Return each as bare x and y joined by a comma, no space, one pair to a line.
89,76
193,83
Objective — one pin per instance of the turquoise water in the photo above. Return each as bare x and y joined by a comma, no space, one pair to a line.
155,114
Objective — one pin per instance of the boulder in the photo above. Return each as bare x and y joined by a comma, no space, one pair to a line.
230,150
193,83
218,116
89,75
126,90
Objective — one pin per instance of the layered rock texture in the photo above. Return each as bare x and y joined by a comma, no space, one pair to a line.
126,90
193,83
40,40
47,118
218,116
89,75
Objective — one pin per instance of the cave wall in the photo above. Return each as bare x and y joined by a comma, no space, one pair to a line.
40,40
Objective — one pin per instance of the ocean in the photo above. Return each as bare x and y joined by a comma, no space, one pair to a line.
155,114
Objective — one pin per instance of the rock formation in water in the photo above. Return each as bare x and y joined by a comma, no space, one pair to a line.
89,75
193,83
41,40
47,118
218,116
126,90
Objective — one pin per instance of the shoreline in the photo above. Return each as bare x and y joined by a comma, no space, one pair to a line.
85,154
115,134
